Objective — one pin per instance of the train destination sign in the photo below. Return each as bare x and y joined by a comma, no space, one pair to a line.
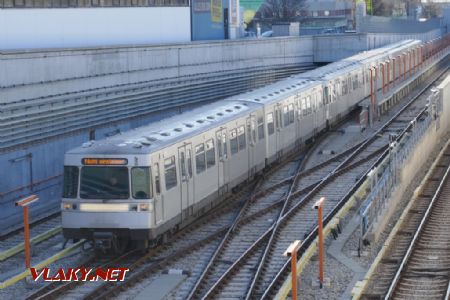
105,161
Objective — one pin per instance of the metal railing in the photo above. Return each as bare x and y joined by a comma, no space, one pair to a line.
385,177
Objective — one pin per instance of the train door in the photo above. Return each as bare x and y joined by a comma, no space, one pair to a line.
186,181
251,133
222,166
158,198
326,102
278,133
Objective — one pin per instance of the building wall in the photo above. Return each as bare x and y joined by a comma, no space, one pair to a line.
208,19
84,27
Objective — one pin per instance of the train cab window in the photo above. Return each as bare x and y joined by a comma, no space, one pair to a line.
286,116
210,154
189,162
270,124
104,183
157,179
233,141
70,182
241,138
200,158
140,183
170,172
260,128
291,113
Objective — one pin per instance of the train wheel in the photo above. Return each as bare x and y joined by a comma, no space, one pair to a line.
120,245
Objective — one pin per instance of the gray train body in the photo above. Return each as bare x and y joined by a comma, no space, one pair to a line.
146,182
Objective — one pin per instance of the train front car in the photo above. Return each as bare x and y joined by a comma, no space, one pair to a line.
108,198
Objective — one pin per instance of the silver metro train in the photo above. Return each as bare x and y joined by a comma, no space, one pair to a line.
147,182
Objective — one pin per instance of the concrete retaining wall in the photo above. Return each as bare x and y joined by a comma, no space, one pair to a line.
34,74
329,48
416,160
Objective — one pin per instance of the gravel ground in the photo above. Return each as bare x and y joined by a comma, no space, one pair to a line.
24,288
340,276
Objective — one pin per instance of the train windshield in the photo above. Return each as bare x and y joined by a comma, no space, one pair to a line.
104,183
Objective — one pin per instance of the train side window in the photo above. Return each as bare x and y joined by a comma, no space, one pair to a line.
325,95
219,145
303,105
308,104
241,138
210,154
189,163
319,100
286,116
140,183
170,172
260,128
200,158
270,125
157,179
233,142
291,113
224,142
183,165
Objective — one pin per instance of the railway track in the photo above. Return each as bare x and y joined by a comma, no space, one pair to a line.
416,265
255,272
424,270
399,124
46,240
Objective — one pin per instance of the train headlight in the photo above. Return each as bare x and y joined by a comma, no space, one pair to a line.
69,206
146,207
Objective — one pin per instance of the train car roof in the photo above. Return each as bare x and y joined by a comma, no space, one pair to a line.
355,61
158,135
277,91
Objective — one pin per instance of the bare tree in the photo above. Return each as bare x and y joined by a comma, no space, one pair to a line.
281,10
